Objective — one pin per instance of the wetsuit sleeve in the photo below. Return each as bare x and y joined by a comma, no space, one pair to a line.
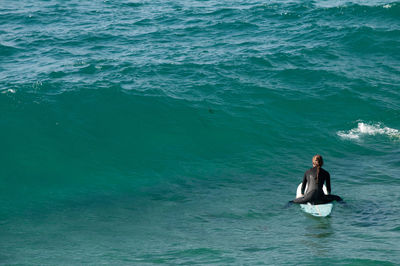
303,185
328,183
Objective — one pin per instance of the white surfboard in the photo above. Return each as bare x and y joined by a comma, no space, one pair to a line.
319,210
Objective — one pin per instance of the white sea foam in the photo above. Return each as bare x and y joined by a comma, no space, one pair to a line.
366,129
8,91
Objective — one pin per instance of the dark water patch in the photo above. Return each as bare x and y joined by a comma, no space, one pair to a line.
370,214
8,50
257,249
364,40
133,4
395,229
223,12
57,74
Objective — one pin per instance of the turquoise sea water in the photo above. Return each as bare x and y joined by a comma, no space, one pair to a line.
174,132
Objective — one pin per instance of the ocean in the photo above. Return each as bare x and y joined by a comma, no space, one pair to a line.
175,132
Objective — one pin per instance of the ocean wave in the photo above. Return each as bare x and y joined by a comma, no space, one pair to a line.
7,50
364,129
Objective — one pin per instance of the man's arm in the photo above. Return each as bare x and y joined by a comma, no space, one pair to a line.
303,185
328,183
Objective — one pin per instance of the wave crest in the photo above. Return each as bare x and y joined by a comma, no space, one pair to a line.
366,129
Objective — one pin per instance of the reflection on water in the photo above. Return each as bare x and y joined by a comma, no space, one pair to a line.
317,232
320,228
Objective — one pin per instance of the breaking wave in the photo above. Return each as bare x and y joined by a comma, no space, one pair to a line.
363,129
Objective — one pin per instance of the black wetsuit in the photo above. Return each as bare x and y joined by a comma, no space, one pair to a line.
314,193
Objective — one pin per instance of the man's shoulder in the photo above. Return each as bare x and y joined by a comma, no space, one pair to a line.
324,171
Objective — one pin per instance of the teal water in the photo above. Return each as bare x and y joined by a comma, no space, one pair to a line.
156,132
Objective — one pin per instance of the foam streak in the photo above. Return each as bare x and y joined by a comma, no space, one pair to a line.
371,130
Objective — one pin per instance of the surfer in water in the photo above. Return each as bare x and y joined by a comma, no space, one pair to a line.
315,177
